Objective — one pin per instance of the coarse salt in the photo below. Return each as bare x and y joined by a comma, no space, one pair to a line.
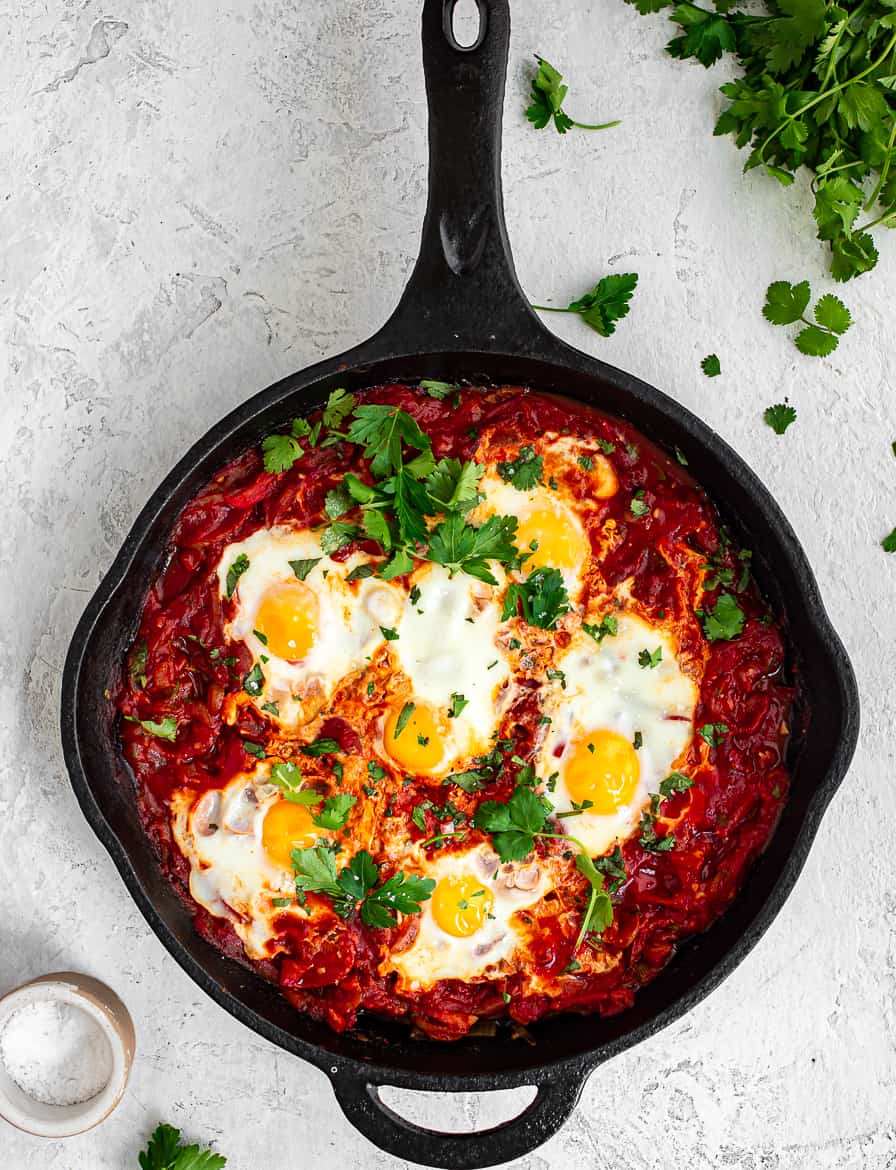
56,1053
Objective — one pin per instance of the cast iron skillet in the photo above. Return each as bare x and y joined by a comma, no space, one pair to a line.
463,316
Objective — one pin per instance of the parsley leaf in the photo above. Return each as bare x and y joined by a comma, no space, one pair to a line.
650,660
403,719
339,406
713,733
303,568
707,35
607,627
401,892
452,485
166,729
236,570
888,544
724,621
164,1152
253,683
780,416
288,777
604,305
787,303
381,430
613,867
460,547
711,366
675,782
338,535
335,811
548,95
524,472
513,824
281,452
438,390
458,702
542,597
355,886
323,746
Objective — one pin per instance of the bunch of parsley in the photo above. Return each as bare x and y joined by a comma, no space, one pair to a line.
818,91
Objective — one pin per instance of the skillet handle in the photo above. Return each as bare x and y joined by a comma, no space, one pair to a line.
463,292
367,1112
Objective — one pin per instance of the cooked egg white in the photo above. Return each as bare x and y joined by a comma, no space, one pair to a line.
469,927
238,841
446,647
305,635
590,745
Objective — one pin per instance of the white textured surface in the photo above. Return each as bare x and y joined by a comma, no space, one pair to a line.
199,198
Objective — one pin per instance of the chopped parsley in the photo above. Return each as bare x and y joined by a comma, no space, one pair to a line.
650,660
607,627
236,570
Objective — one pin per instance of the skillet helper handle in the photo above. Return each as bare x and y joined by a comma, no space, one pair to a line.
463,289
367,1112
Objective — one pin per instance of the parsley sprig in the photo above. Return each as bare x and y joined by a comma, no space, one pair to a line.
542,599
548,96
604,305
165,1152
357,886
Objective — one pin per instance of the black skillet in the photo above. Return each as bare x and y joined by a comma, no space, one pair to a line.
464,316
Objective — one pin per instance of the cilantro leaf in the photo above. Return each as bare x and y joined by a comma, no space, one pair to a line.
711,366
724,621
785,302
780,416
613,867
542,597
514,823
676,782
713,733
338,535
253,683
401,892
458,702
604,305
816,342
547,97
888,544
164,1152
338,501
315,873
831,313
403,719
335,811
280,453
323,746
236,570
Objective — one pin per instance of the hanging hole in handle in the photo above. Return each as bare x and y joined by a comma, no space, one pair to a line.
458,1112
464,24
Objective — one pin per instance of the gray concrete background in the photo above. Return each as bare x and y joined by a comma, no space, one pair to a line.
200,198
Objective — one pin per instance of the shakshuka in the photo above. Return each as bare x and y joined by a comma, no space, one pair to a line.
456,704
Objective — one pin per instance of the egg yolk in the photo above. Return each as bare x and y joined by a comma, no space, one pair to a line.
461,904
287,826
559,540
287,618
415,740
602,767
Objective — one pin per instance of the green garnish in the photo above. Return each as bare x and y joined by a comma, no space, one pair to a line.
724,621
548,95
458,702
288,777
648,660
711,366
236,570
786,304
524,472
604,305
780,416
355,887
542,597
713,733
253,683
607,627
254,749
303,568
335,811
404,716
322,746
282,451
438,390
165,1152
165,729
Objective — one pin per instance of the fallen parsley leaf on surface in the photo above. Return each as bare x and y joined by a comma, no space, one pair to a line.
711,366
786,304
888,544
604,305
780,416
164,1152
548,95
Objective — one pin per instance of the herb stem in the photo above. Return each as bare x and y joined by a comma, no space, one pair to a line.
442,837
599,126
885,170
551,309
826,93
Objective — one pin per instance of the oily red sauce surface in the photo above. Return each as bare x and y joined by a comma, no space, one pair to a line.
722,823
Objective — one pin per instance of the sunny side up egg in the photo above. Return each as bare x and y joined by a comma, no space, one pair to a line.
307,628
470,925
616,730
457,674
238,841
